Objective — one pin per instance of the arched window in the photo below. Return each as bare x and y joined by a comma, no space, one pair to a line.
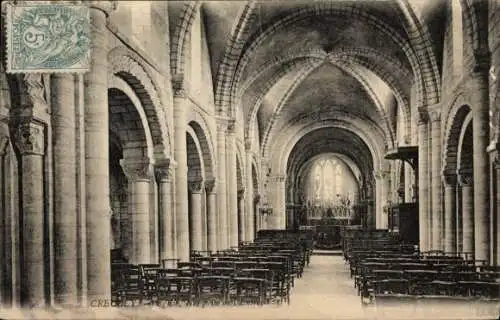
457,36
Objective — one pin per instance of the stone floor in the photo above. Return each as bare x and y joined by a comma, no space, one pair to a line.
324,292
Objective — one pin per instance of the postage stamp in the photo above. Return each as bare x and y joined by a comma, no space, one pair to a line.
51,37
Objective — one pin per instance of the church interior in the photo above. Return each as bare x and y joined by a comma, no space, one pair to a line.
228,152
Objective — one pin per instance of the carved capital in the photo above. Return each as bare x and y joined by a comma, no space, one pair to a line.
482,61
163,170
465,177
279,178
434,113
105,6
256,198
137,169
30,138
195,186
450,179
381,174
4,142
423,116
231,126
241,193
178,86
248,144
210,186
222,124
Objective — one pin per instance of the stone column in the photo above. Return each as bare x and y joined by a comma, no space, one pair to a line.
466,182
195,188
437,214
164,172
382,186
31,146
223,230
181,182
97,156
232,185
211,215
450,210
242,225
65,218
459,224
479,99
378,200
139,173
496,225
249,203
278,191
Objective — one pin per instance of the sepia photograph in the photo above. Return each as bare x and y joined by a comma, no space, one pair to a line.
250,160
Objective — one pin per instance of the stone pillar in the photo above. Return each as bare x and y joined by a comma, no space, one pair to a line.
211,215
164,172
196,187
278,191
450,210
242,225
382,186
437,214
65,218
97,156
181,182
249,203
466,182
496,222
223,230
139,173
479,99
31,146
232,185
459,224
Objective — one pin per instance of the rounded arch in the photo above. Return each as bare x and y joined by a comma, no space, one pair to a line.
459,110
116,107
292,134
465,159
200,128
125,65
196,166
181,36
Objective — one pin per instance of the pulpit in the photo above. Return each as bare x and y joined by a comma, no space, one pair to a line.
403,221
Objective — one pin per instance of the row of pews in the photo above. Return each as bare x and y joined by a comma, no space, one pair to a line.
260,272
382,268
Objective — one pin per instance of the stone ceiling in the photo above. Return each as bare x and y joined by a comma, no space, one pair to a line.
283,60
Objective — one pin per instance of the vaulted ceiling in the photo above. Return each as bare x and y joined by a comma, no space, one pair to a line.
283,63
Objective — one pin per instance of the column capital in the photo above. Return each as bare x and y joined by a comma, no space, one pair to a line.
164,170
278,178
137,168
4,141
178,85
465,177
450,179
210,186
222,124
29,138
248,144
434,113
195,186
482,61
381,174
256,198
241,193
423,115
105,6
231,126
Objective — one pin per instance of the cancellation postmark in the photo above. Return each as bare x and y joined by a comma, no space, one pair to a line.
53,37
